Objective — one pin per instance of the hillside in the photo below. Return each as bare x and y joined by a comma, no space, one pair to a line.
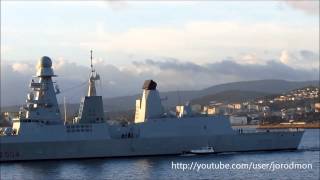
264,87
241,89
232,96
267,86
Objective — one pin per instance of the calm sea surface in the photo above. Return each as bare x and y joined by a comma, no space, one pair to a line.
161,167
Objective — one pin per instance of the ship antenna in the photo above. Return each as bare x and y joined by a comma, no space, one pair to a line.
91,60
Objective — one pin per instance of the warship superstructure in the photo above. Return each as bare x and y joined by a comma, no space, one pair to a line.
41,133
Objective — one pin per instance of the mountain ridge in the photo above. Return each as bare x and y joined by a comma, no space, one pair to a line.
268,86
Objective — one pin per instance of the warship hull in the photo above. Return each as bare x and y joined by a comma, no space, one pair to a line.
92,146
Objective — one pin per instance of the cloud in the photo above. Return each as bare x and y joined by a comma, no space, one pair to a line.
309,55
115,5
169,64
250,58
196,41
118,4
271,70
303,59
284,57
200,41
307,6
14,83
22,68
59,63
204,38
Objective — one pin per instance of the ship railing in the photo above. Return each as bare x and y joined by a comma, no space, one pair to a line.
246,131
281,130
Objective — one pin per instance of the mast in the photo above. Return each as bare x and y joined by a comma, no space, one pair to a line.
93,77
91,106
65,110
91,61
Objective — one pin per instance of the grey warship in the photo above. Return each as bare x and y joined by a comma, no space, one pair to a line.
40,133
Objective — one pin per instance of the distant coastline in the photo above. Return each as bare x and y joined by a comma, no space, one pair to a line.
286,126
281,126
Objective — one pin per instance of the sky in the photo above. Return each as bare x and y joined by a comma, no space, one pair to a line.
181,44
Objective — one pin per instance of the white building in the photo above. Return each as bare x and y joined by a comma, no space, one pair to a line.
253,107
317,107
183,111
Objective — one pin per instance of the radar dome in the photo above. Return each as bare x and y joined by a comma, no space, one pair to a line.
45,62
